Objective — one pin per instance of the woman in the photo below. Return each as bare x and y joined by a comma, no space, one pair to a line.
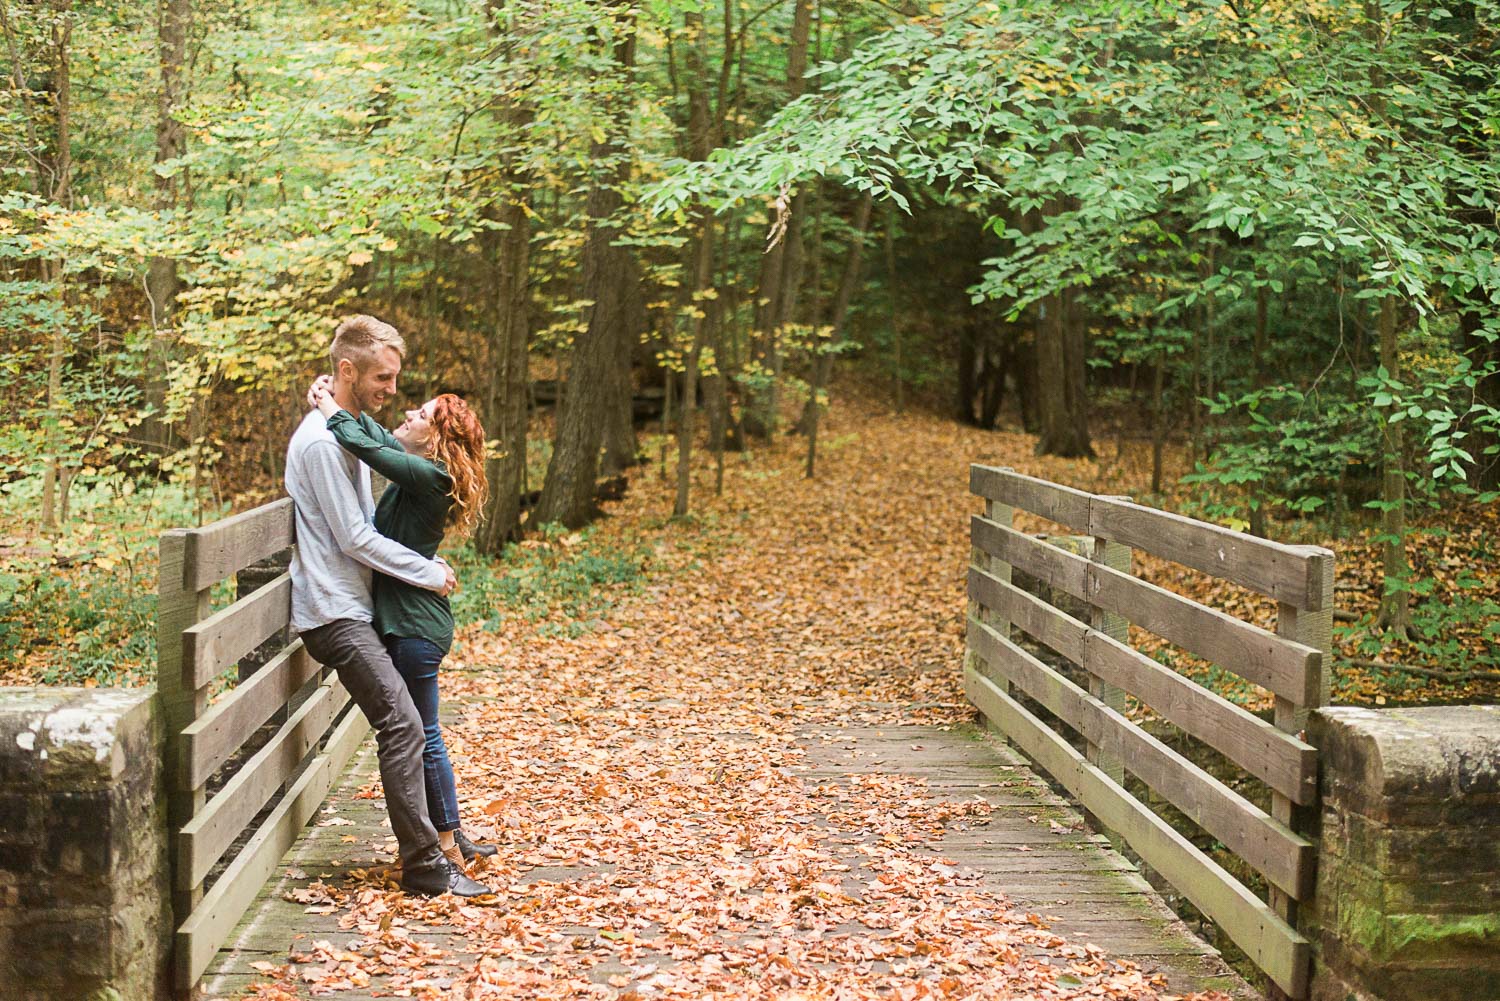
435,464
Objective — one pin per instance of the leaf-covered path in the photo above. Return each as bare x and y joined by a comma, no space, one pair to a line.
685,797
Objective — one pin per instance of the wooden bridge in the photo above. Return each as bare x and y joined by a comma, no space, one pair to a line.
244,857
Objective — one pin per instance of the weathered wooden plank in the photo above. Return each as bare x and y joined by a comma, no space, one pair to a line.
1279,759
223,638
1052,566
1267,940
228,546
1114,557
210,923
214,829
1041,621
1284,667
1286,573
1314,628
1283,857
177,608
1283,762
1277,663
209,741
1052,501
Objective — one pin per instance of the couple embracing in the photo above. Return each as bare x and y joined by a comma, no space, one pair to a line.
370,593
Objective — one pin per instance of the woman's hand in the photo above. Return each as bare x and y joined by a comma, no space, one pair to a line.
321,396
322,385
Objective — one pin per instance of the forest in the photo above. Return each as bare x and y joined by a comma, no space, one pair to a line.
1239,259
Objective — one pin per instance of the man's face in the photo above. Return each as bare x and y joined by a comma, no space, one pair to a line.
374,386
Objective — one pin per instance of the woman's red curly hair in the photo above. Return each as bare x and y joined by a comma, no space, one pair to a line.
458,443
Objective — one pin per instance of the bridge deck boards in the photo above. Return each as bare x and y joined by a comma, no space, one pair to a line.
1031,847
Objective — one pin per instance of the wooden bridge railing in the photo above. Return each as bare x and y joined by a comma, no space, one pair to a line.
1289,663
291,772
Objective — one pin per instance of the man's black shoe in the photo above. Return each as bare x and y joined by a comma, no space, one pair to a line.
440,879
471,850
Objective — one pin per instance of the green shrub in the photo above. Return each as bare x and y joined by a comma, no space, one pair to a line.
80,608
564,578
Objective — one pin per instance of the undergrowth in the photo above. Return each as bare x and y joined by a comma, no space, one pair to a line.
561,580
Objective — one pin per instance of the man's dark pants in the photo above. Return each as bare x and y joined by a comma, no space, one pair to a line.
355,652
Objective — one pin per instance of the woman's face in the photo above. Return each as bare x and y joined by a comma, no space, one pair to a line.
415,433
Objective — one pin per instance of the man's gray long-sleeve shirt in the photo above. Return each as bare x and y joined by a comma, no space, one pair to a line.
337,545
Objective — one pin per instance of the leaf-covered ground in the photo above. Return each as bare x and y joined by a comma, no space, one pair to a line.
781,604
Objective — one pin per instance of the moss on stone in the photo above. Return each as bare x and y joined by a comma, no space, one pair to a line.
1444,934
1408,937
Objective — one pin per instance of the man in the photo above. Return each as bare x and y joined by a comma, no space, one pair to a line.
337,548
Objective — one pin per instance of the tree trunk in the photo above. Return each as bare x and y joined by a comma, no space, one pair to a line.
1484,472
823,367
620,445
781,264
1061,378
1262,332
1158,422
568,491
173,21
505,401
1394,602
701,137
702,278
507,395
1075,343
61,170
890,278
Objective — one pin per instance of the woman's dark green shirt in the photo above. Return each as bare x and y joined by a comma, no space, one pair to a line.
412,511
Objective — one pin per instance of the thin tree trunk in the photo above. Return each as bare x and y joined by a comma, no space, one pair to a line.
1262,332
174,19
61,170
1394,612
702,277
1484,472
845,295
1075,343
1199,335
1394,603
1158,423
890,278
701,136
780,265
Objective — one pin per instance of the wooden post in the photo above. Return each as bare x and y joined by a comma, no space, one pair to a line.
177,608
1003,514
1116,556
1312,626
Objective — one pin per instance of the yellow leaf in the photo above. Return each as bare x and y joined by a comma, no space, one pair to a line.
360,257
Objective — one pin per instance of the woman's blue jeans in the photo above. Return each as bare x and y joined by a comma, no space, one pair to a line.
417,662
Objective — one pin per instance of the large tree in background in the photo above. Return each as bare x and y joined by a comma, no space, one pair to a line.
507,244
609,276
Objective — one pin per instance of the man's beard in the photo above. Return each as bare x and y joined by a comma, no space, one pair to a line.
370,400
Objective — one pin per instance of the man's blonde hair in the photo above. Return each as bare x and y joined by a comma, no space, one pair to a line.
360,338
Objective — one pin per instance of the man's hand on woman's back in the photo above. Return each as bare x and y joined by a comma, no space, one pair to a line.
451,583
